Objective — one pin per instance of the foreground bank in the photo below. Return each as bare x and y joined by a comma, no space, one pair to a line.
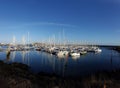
17,75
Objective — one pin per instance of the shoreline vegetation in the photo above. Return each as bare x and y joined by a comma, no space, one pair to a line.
117,48
17,75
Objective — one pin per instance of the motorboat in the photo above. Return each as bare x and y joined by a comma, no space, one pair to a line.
98,50
74,54
83,52
38,49
62,53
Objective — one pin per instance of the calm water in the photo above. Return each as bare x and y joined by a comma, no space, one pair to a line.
67,66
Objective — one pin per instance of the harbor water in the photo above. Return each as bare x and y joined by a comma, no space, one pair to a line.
39,61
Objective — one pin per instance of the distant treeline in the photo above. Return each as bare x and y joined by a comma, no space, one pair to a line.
117,48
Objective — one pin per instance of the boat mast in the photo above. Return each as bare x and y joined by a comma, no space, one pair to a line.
28,38
14,40
63,38
23,40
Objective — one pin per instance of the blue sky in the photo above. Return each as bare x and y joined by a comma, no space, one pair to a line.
89,21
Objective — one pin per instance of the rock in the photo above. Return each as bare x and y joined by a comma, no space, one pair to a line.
17,75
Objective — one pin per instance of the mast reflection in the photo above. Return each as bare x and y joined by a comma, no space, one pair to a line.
25,57
13,55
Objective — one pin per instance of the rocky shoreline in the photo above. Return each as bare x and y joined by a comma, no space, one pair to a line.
17,75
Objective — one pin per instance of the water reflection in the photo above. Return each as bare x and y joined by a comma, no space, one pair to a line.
76,58
13,55
111,61
44,62
66,66
25,57
57,65
63,57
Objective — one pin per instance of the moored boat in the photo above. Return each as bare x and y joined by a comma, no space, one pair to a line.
83,52
74,54
98,50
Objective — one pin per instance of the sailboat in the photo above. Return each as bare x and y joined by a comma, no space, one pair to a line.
63,51
12,46
98,50
27,46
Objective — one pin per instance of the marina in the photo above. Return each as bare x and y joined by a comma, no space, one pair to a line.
68,61
59,44
60,58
